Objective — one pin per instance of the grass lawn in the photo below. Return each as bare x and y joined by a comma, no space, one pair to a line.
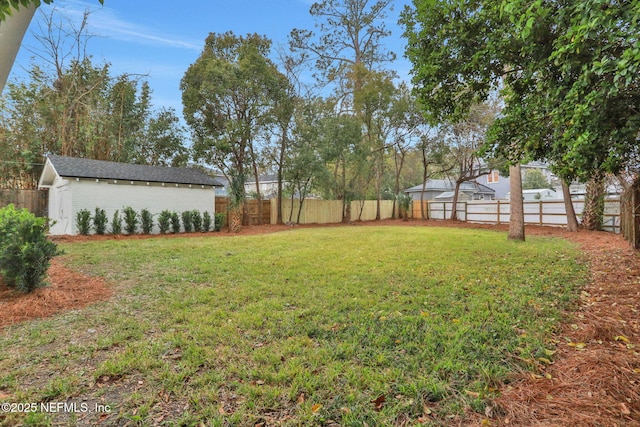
347,326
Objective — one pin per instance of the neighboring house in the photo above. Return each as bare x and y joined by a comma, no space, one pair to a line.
75,184
442,190
268,186
501,184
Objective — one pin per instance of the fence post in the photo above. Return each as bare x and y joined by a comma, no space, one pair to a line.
540,209
498,212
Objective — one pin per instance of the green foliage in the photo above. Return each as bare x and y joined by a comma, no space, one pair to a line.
146,221
206,221
130,220
569,95
218,220
83,221
534,179
25,252
116,223
175,222
230,68
164,221
196,219
404,204
69,104
187,221
100,221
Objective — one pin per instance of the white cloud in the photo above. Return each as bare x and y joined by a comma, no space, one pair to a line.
105,22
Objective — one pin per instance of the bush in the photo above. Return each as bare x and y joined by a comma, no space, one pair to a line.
25,252
196,219
164,221
187,223
100,221
130,220
116,223
219,220
146,219
206,221
83,221
175,223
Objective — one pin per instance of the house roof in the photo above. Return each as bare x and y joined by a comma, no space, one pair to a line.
99,169
448,185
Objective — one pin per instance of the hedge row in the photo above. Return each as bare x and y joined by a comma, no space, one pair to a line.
168,222
25,252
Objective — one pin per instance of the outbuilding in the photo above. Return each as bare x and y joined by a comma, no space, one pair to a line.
76,183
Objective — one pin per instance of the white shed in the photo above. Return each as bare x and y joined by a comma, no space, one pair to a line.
75,184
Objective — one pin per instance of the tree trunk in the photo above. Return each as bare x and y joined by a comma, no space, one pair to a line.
572,221
516,205
235,218
454,207
594,203
12,31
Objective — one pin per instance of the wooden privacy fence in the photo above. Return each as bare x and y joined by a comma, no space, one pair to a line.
540,212
252,211
35,201
329,211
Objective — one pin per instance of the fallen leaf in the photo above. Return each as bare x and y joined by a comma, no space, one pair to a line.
315,408
300,399
378,402
621,338
221,410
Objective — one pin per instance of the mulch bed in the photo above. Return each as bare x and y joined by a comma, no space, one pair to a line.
594,379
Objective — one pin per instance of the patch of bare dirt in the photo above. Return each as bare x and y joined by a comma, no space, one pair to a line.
595,376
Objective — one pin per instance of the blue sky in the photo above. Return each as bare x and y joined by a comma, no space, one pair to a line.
162,38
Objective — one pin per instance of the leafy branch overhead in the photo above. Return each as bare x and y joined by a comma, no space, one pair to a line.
568,72
7,6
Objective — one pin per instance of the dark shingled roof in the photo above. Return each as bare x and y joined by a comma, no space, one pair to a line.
100,169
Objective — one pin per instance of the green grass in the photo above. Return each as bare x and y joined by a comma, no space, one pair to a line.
300,327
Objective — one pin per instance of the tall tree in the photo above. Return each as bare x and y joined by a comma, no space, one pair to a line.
466,137
350,34
460,52
229,95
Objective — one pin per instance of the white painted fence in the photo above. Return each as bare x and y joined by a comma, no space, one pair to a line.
542,212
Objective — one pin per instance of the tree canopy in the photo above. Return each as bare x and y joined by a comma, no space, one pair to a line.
568,72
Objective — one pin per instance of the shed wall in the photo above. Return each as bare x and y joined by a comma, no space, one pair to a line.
110,196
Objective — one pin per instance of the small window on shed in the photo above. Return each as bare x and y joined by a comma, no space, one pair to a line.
493,177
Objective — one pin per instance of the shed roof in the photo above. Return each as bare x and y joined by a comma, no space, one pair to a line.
100,169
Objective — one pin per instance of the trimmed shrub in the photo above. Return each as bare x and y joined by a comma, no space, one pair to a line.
164,221
206,221
146,220
100,221
187,223
130,220
25,252
196,219
116,223
83,221
175,223
219,220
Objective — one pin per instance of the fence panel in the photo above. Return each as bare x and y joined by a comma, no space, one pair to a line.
251,209
329,211
35,201
542,212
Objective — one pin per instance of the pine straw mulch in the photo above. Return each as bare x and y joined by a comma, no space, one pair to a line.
594,379
67,290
